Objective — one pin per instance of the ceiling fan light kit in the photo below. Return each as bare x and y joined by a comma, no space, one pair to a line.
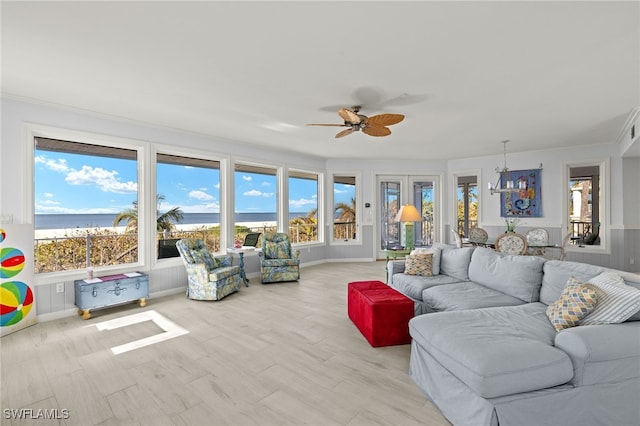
373,126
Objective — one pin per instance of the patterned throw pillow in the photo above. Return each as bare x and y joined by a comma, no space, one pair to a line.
576,302
617,301
419,264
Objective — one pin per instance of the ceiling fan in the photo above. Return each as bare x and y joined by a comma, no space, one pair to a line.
375,125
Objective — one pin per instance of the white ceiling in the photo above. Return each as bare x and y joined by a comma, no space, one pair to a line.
465,74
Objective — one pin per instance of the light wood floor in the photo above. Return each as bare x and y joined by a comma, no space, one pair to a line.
277,354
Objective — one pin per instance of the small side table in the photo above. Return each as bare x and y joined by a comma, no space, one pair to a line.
240,252
393,254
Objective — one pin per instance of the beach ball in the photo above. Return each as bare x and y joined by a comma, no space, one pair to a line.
11,262
16,300
3,235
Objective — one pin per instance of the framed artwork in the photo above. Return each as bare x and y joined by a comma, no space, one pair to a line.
522,202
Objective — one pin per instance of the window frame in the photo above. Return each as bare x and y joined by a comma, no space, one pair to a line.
605,205
330,208
319,203
195,154
31,131
280,194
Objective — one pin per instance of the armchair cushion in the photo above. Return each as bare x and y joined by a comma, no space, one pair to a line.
277,250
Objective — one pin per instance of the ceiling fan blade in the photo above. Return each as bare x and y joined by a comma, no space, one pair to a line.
344,133
349,116
331,125
384,119
377,131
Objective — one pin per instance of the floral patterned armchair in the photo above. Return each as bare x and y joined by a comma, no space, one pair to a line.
210,278
278,260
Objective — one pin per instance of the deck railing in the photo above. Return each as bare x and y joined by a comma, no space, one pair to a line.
104,248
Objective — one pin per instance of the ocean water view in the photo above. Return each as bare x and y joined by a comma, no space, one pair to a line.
70,221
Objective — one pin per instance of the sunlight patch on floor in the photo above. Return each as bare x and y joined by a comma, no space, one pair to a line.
170,328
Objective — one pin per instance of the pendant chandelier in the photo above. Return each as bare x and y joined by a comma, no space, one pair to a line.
504,184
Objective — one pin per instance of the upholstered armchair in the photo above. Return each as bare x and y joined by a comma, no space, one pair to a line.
210,278
278,260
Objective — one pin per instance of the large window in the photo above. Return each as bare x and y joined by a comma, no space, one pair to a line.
303,206
344,220
188,202
256,200
85,205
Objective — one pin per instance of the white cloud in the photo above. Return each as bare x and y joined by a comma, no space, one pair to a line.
59,165
48,195
339,191
301,203
105,180
265,183
256,193
247,178
200,195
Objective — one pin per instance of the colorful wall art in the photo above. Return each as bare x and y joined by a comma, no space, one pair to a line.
522,202
17,301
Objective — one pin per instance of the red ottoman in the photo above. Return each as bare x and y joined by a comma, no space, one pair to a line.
381,313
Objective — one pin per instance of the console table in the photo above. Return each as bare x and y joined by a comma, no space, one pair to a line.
111,290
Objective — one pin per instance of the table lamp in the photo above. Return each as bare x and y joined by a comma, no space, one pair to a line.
407,215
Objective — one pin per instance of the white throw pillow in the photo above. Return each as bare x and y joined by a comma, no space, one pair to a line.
617,301
435,262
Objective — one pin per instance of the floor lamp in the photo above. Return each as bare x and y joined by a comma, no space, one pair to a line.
407,215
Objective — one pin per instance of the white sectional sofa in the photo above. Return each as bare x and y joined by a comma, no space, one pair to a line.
486,353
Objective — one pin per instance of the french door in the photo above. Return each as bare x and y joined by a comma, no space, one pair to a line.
397,190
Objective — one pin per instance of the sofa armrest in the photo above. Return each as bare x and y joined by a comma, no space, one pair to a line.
394,267
602,353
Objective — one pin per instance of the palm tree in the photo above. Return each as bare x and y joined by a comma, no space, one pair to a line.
347,215
163,221
347,211
307,224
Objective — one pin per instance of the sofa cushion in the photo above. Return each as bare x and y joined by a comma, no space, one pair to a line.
557,274
465,295
413,285
576,301
419,264
495,351
455,262
517,276
617,301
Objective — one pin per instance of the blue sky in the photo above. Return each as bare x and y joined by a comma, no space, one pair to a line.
80,184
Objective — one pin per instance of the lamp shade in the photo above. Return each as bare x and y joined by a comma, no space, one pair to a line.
408,213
